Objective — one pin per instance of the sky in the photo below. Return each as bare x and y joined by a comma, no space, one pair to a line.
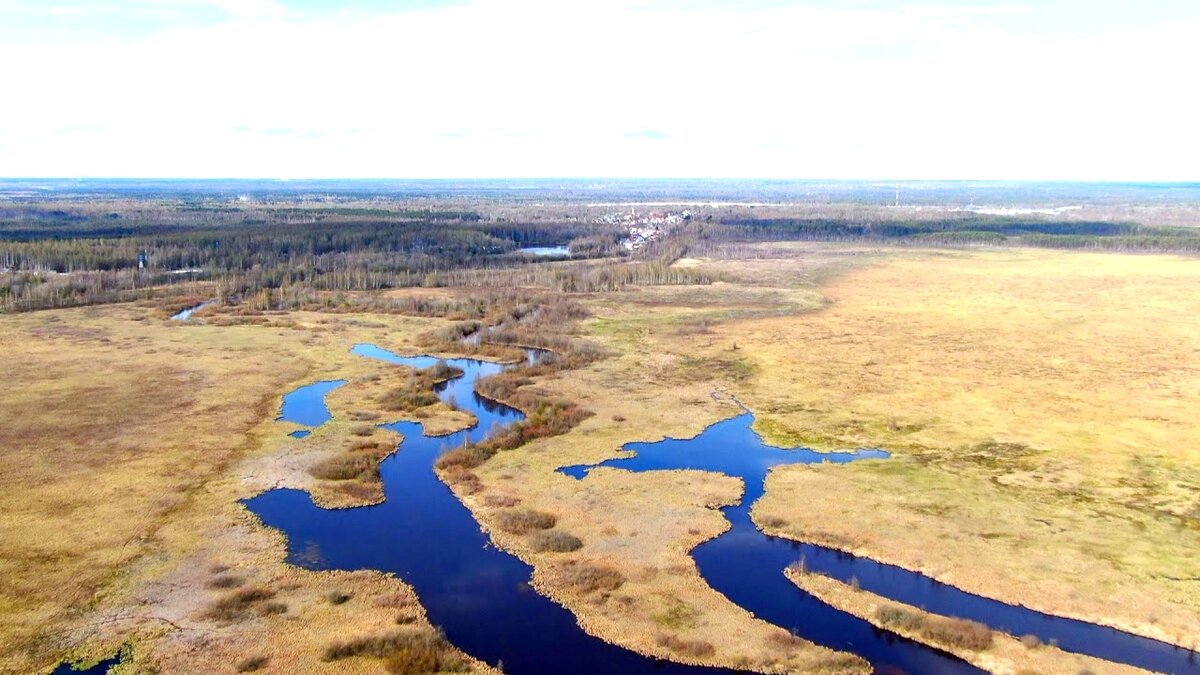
833,89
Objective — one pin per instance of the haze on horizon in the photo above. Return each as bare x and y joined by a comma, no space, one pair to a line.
1058,90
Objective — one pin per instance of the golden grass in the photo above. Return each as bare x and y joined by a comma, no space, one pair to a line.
122,439
1042,408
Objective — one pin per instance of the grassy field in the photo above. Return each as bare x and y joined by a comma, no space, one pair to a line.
1042,411
125,438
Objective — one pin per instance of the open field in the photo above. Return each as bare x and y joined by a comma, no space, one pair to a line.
122,437
1041,407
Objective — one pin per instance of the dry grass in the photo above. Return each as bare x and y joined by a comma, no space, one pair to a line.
121,437
1056,389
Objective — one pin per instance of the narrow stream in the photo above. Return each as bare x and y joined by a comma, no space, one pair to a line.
746,566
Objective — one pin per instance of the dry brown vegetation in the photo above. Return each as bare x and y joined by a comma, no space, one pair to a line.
942,630
121,436
402,652
555,541
1052,388
523,521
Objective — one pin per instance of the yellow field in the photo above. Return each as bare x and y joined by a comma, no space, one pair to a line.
1042,408
123,438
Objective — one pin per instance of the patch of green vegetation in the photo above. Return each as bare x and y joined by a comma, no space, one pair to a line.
676,614
781,435
729,367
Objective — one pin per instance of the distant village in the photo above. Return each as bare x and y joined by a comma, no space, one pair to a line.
643,229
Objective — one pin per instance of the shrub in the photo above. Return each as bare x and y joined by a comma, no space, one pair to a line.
773,522
468,456
585,578
417,391
693,648
338,597
252,664
269,608
363,430
378,447
345,467
238,605
948,631
554,541
1031,641
959,633
225,581
523,521
403,652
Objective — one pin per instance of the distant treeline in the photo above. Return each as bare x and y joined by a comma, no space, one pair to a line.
324,254
978,231
291,254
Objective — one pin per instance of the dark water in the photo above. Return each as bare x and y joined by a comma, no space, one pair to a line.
300,433
306,405
746,566
477,593
98,669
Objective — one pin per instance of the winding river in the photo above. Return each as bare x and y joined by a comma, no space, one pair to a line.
480,595
477,593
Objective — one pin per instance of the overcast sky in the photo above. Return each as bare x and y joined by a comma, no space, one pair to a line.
1070,89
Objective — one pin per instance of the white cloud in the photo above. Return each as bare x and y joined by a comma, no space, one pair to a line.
551,88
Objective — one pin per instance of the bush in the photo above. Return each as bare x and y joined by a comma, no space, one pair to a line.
239,605
523,521
554,541
417,391
959,633
468,456
252,664
346,467
225,581
338,597
403,652
693,648
948,631
585,578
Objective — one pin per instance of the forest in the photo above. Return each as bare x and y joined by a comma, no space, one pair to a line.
287,252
